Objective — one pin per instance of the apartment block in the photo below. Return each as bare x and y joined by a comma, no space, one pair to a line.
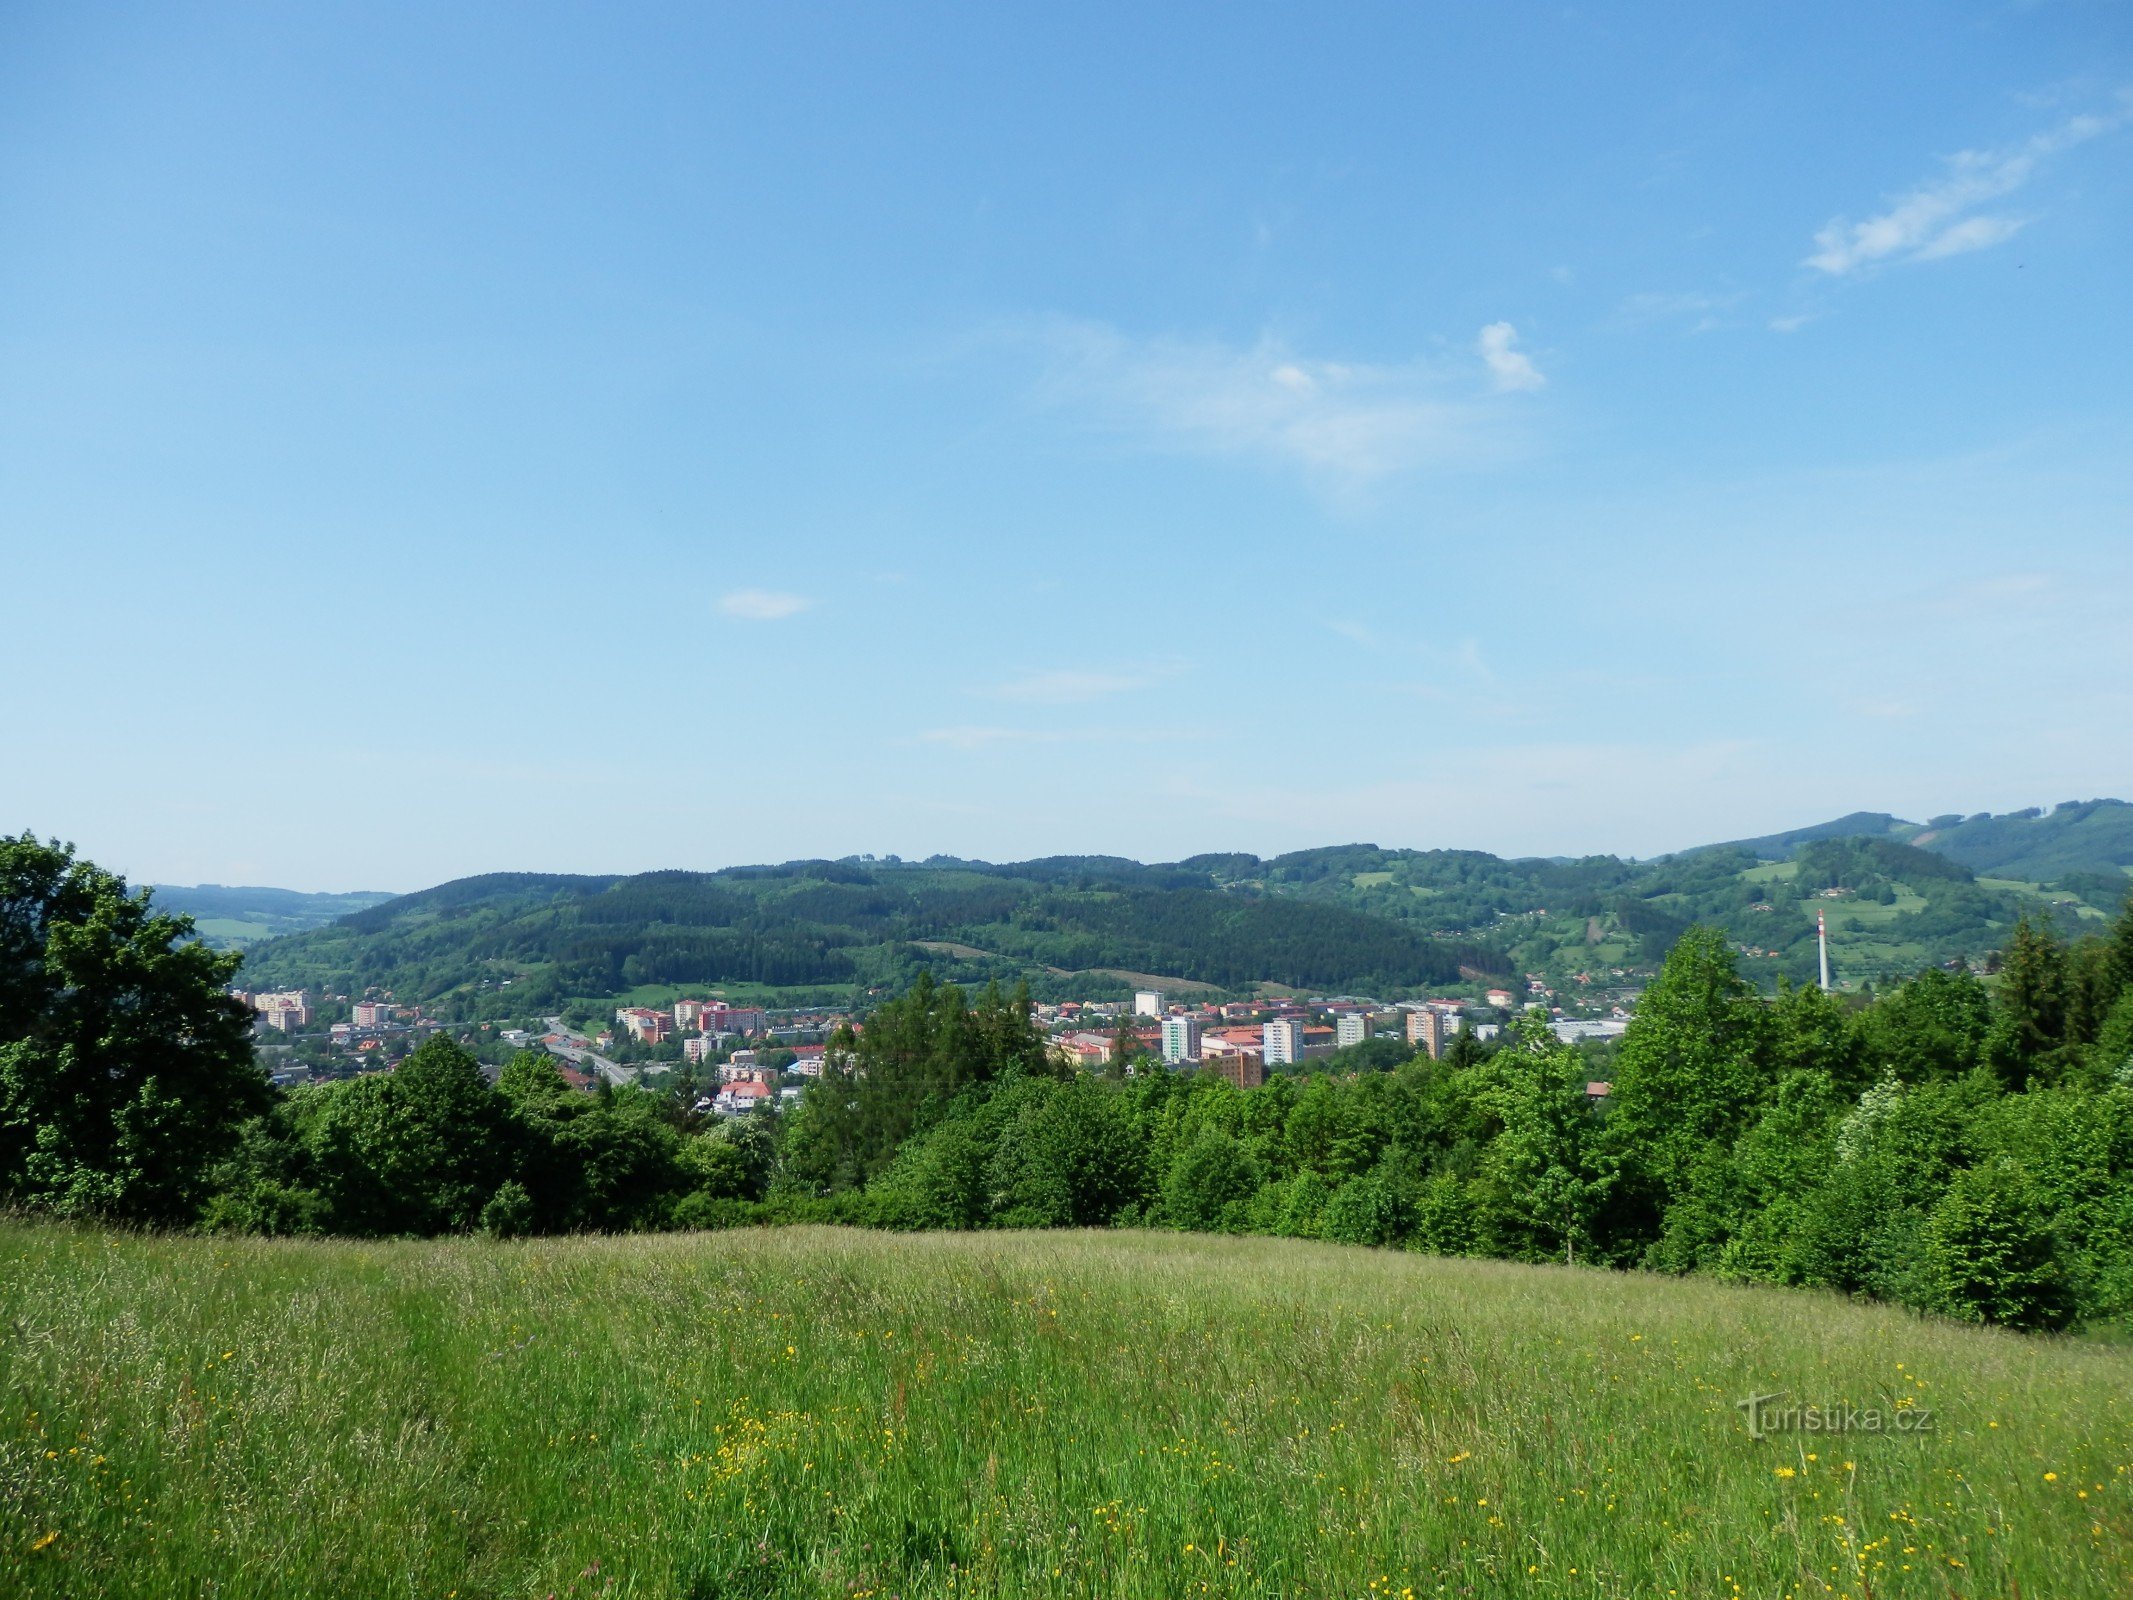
1181,1040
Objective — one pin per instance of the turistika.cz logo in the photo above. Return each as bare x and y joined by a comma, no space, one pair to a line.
1768,1414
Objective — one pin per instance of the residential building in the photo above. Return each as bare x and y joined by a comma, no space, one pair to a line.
371,1013
738,1099
718,1017
1500,998
1282,1041
644,1025
286,1010
1181,1040
687,1013
1245,1068
1148,1003
1425,1030
1352,1028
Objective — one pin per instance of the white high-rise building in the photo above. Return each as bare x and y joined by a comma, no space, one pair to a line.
1281,1041
1181,1040
1352,1028
1148,1003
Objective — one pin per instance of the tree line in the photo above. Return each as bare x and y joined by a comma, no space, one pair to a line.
1961,1147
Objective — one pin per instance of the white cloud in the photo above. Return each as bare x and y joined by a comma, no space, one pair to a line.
1065,687
1973,233
1513,368
1942,218
762,605
1349,422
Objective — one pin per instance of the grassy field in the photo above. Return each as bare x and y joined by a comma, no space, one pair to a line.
818,1412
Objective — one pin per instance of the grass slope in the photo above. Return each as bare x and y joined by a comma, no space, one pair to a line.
815,1412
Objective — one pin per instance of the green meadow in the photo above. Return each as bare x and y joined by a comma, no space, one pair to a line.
814,1411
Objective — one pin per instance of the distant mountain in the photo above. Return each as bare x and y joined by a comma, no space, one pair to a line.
2074,838
235,918
1859,825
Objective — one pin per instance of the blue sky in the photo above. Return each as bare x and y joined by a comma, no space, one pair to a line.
447,439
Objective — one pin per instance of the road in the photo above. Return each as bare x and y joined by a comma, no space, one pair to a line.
578,1051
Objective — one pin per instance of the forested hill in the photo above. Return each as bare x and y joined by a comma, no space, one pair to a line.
830,925
1898,897
2074,839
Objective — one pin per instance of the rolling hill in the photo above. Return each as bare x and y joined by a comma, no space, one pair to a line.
835,926
235,918
1898,896
2073,838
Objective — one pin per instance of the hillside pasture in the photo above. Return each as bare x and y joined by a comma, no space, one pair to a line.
820,1412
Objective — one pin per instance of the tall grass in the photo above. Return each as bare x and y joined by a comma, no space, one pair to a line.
819,1412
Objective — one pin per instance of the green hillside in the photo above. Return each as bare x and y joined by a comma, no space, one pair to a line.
810,1412
835,927
234,918
1897,898
2073,839
1591,926
1858,825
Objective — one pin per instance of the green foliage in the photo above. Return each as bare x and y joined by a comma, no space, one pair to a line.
1691,1068
509,1213
1989,1255
1209,1183
1937,1024
415,1150
2032,1002
125,1069
1376,1208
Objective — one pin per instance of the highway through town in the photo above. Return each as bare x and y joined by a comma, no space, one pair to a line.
578,1050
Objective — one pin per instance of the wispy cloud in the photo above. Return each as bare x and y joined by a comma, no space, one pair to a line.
1942,217
1700,309
1066,687
763,605
1349,422
1511,367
